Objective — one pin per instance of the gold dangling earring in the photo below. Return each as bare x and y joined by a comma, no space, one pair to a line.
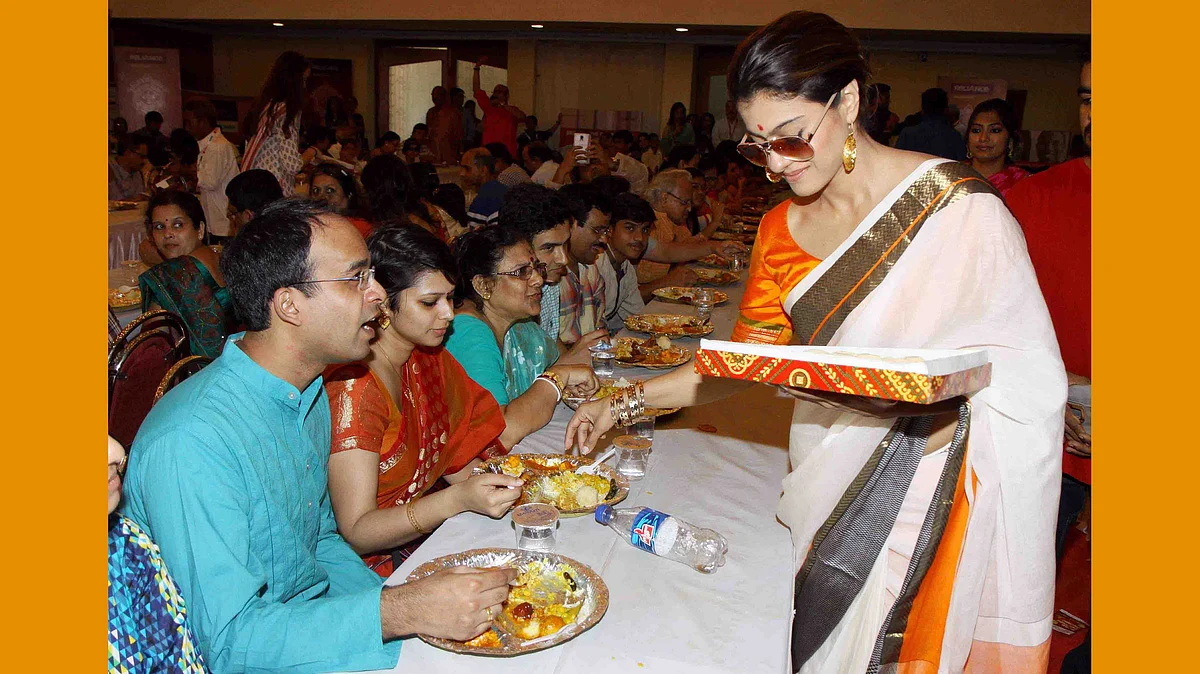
773,176
850,152
384,321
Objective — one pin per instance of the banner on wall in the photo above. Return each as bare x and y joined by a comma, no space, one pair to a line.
148,79
967,93
329,78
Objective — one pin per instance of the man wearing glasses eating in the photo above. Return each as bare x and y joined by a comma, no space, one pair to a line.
229,471
125,181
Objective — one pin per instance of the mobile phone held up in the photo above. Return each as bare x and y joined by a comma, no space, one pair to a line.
581,142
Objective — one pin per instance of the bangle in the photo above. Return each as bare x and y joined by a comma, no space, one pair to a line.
412,517
554,378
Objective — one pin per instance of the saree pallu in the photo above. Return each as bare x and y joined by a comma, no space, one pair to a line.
938,264
186,288
442,422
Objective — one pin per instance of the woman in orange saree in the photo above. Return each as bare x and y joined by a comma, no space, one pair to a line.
923,534
408,414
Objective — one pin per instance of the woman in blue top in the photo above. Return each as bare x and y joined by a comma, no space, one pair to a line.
147,626
499,292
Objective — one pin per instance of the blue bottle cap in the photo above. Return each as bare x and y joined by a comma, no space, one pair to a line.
604,514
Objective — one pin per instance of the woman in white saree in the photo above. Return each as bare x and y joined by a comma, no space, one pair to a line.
923,534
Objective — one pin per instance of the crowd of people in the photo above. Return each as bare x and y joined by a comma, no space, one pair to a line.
376,332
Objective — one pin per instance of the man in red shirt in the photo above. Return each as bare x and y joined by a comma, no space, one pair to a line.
500,119
1054,208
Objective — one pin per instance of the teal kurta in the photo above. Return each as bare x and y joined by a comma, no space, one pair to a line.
507,375
228,475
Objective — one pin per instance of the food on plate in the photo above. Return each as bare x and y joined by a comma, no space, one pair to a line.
544,599
721,235
650,352
124,296
567,490
517,465
488,639
668,324
686,294
714,260
715,277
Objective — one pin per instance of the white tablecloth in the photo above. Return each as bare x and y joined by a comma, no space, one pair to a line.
664,616
126,229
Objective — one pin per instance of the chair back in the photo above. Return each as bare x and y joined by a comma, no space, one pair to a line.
114,327
178,372
137,362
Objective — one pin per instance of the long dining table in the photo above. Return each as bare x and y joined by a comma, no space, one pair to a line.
718,466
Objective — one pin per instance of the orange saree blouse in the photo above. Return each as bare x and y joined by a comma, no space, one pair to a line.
442,422
777,264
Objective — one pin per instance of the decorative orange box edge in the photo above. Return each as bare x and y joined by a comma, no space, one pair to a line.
860,381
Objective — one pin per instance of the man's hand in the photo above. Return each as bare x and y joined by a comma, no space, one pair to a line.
727,249
483,61
578,353
1079,441
458,603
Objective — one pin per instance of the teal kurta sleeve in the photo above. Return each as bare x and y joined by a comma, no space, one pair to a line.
190,492
473,345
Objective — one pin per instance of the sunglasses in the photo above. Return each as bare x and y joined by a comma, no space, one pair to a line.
525,271
792,148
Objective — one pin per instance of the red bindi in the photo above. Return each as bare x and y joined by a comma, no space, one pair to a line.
759,127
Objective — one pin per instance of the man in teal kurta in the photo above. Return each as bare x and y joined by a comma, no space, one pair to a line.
228,472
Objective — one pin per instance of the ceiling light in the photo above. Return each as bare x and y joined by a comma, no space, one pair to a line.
536,25
681,30
277,24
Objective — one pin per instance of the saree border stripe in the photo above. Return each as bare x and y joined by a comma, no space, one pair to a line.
863,266
893,633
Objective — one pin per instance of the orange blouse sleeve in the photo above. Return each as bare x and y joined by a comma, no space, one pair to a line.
358,409
777,264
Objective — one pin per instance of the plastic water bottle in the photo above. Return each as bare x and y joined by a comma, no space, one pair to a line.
666,536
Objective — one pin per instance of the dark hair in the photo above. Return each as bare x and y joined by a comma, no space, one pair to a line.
184,146
695,172
1008,117
451,198
269,253
485,160
671,114
420,126
541,153
610,186
709,161
531,118
316,134
387,136
457,90
402,253
186,201
154,116
391,195
335,117
800,54
131,141
344,178
934,102
202,108
411,145
582,198
285,84
531,209
478,253
883,89
253,190
500,151
425,178
623,134
680,153
629,206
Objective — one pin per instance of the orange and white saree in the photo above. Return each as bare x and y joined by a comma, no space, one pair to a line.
956,562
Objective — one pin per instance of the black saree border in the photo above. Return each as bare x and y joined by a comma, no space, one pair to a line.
818,314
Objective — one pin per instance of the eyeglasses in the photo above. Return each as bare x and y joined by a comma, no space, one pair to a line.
525,271
793,148
681,200
601,232
363,278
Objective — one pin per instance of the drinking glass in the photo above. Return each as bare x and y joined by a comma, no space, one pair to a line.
602,359
633,454
643,427
535,524
703,301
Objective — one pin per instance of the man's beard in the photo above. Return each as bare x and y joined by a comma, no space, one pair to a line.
1087,137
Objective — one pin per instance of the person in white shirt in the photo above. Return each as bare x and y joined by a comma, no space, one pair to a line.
216,166
624,165
541,163
652,155
730,128
632,220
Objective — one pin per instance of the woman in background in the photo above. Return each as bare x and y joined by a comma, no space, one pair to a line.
677,131
336,187
393,198
992,134
188,281
274,133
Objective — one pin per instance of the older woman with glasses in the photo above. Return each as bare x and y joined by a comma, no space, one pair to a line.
499,290
882,248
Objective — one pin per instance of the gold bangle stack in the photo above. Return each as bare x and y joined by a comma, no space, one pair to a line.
628,404
412,517
555,379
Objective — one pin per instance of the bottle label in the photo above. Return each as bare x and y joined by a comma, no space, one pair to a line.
645,528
